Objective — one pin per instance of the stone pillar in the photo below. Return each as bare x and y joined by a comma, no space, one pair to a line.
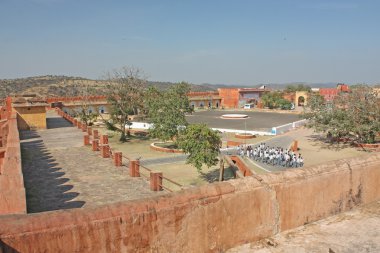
156,181
89,130
105,151
134,168
84,127
104,139
86,140
96,134
118,159
95,145
295,146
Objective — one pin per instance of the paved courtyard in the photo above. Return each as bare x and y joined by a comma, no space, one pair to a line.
259,121
60,173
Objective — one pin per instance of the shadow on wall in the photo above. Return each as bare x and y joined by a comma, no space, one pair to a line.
4,248
27,135
45,184
57,122
213,175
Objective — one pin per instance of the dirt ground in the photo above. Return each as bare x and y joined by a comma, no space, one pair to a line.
316,150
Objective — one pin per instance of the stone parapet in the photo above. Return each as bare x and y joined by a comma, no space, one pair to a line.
210,218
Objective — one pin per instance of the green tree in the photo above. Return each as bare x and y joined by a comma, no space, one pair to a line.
297,87
167,110
275,100
125,92
201,143
354,115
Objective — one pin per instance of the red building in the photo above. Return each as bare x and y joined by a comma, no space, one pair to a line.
329,94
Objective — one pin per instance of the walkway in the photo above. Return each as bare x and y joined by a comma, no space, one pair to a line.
283,141
60,173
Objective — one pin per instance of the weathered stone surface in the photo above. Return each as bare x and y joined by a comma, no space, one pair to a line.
211,218
353,231
60,173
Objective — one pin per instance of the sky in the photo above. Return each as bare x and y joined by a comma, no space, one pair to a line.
241,42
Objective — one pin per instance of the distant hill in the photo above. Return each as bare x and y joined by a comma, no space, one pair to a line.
70,86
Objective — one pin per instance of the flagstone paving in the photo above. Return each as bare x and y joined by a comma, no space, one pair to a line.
60,173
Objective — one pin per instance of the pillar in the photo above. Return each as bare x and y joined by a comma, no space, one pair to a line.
118,159
95,145
105,151
104,139
89,130
134,168
156,181
84,127
95,134
86,140
295,146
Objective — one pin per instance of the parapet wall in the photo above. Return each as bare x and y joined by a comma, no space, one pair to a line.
211,218
12,191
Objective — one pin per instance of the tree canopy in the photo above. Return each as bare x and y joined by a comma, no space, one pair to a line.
275,100
354,115
201,143
297,87
125,91
167,110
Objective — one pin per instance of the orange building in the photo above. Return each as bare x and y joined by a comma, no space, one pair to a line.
238,97
210,99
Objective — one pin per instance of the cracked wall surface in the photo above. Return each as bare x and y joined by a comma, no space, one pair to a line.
210,218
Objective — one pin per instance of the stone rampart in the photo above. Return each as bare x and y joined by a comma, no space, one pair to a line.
12,191
211,218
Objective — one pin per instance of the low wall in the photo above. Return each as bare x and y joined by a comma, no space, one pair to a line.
12,191
211,218
287,127
245,171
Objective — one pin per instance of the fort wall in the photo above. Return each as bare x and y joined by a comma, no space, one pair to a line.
211,218
12,191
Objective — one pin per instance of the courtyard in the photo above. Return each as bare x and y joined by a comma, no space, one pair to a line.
256,121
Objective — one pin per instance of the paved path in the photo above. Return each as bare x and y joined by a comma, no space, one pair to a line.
59,173
283,141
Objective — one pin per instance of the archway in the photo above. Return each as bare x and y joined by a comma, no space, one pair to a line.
301,101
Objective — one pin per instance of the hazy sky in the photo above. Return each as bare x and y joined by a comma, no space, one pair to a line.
234,42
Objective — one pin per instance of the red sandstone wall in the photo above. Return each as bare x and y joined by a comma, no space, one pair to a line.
12,192
211,218
241,166
230,97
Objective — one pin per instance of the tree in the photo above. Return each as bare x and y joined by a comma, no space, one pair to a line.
299,87
201,143
87,112
275,100
125,92
167,110
354,115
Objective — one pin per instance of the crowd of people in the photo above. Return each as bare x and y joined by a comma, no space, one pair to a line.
273,156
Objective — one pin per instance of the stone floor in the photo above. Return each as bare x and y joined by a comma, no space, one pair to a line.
60,173
354,231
